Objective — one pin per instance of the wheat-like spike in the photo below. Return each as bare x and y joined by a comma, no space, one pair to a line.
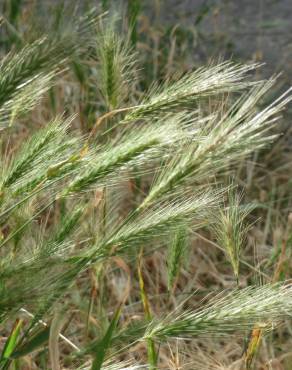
134,147
230,229
239,310
25,75
43,163
222,142
116,64
159,221
32,152
26,97
185,92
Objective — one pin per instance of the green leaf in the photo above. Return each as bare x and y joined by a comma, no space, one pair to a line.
11,341
105,342
35,342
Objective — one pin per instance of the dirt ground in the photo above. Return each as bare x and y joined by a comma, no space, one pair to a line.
244,29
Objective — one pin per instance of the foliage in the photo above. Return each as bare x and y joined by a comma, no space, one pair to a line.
177,140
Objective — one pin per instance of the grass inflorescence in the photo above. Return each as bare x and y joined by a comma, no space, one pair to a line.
151,173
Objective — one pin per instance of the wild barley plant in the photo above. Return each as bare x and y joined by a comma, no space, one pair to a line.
171,138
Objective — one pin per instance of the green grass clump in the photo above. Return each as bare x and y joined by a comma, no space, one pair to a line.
149,174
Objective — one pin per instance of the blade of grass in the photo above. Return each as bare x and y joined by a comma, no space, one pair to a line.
103,346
